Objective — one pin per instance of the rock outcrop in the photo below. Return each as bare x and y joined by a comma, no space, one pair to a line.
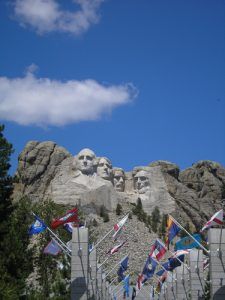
46,170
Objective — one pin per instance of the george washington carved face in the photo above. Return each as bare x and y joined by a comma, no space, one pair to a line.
141,182
85,161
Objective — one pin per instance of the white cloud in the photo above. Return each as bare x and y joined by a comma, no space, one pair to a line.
46,15
42,101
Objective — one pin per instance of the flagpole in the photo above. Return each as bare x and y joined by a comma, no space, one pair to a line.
178,224
116,266
113,281
102,263
95,246
66,248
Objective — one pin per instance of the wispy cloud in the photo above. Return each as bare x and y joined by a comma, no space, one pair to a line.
46,16
42,101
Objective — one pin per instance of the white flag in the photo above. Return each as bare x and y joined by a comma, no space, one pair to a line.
119,225
217,219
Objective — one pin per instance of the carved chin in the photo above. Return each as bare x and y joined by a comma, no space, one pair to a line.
143,190
119,188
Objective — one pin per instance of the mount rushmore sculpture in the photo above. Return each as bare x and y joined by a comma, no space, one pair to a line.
48,171
86,179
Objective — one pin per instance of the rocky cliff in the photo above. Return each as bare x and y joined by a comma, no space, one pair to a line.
46,170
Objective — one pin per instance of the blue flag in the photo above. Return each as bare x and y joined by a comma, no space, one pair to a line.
37,227
187,242
149,268
171,264
126,285
123,267
52,248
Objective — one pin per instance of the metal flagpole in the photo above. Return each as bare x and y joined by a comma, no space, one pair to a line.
95,246
60,241
178,224
113,281
102,263
116,265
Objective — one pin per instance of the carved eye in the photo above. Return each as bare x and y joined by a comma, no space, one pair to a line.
89,158
81,157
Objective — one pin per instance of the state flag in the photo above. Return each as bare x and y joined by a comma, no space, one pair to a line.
37,227
216,219
70,216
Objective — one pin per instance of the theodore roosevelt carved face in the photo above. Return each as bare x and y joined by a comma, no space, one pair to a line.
119,179
141,182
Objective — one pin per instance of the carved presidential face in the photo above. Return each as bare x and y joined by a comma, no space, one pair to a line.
104,168
119,180
85,161
141,182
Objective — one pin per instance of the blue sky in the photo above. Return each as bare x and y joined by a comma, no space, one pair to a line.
134,80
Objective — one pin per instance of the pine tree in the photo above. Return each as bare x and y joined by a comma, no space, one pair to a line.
7,289
155,217
118,209
6,187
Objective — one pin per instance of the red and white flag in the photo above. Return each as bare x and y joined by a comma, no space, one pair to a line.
217,219
116,248
119,225
158,250
70,216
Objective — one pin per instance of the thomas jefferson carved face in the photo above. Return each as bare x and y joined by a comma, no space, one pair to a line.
119,179
85,161
104,168
141,182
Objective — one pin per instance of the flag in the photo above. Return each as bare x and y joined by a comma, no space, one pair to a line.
52,248
149,268
172,263
126,285
118,227
175,262
69,227
37,227
172,230
70,216
122,268
116,248
158,250
187,242
216,219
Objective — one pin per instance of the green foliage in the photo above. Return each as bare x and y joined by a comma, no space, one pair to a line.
52,280
119,209
106,217
104,214
162,227
155,219
5,186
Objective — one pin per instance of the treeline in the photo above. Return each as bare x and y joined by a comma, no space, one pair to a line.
25,271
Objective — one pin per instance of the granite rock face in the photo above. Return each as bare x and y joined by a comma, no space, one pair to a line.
46,170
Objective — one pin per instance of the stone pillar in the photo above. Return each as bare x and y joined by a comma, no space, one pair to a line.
216,237
197,283
92,274
182,283
80,265
99,282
